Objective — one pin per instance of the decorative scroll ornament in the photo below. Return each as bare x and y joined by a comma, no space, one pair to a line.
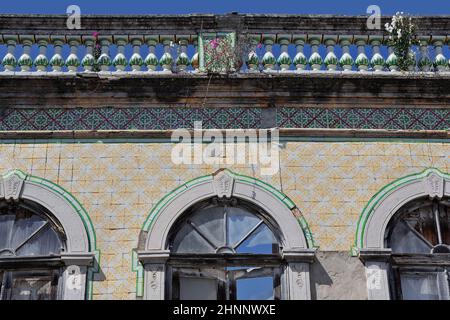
435,185
374,274
11,185
223,184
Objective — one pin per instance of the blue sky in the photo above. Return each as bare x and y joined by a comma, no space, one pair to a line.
346,7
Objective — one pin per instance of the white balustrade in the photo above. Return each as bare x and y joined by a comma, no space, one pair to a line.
173,53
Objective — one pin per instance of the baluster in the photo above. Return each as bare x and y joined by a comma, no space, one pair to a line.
252,60
120,61
284,61
25,62
151,60
72,61
300,60
361,62
315,60
166,60
9,61
268,60
425,62
330,61
41,61
136,61
195,63
440,62
182,61
346,60
392,60
377,62
88,60
57,61
104,61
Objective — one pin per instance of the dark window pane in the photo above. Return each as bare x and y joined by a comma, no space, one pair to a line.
222,229
262,241
31,285
44,243
444,219
25,233
24,226
414,228
255,289
424,286
240,222
210,222
188,240
1,283
198,289
6,229
236,283
404,240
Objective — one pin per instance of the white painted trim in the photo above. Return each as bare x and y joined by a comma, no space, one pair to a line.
77,256
224,184
431,183
291,232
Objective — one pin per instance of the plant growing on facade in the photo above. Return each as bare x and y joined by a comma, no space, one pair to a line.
402,36
226,54
97,53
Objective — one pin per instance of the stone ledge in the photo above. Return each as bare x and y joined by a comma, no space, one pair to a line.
193,23
285,134
327,89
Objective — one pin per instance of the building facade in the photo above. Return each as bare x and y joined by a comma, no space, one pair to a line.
93,205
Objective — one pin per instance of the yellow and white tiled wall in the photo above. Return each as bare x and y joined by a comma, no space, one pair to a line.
118,183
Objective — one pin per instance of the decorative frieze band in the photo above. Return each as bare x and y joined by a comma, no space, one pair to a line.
170,118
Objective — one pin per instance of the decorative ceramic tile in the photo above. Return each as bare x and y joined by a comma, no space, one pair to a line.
166,118
364,118
119,183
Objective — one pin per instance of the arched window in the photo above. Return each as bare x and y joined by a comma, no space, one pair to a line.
225,236
27,235
45,250
417,233
227,248
403,238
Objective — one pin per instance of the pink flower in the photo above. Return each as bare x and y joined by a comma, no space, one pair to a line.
95,34
259,46
214,43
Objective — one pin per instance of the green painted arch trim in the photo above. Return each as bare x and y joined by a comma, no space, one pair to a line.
137,267
79,209
238,177
381,195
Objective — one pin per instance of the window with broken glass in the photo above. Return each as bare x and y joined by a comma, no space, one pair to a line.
30,246
224,250
419,236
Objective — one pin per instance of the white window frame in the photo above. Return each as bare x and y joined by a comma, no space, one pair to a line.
78,256
374,220
297,250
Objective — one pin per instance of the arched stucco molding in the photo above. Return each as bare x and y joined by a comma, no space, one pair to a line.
293,226
383,205
297,238
372,224
80,242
